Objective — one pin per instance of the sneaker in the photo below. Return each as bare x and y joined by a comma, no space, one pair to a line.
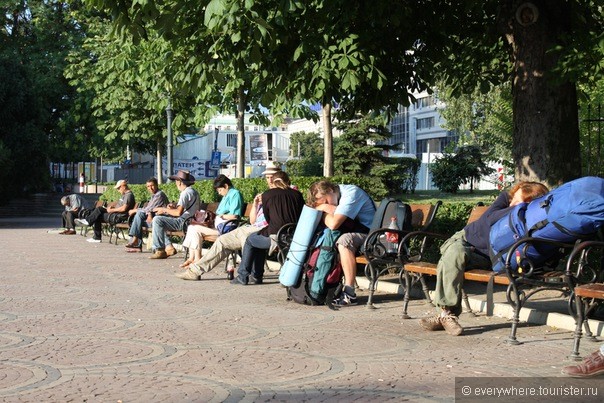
189,275
592,365
345,299
432,323
238,280
451,325
82,221
93,240
255,280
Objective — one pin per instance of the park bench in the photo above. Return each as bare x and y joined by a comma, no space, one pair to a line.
521,284
375,257
123,228
584,267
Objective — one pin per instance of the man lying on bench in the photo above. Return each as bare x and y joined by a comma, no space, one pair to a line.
469,249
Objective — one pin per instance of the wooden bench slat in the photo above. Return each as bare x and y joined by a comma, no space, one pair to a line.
590,291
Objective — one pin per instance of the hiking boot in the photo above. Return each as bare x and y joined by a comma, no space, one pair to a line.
189,275
592,365
432,323
171,251
345,299
451,325
159,254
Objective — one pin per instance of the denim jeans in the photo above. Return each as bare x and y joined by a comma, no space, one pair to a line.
253,257
138,222
161,224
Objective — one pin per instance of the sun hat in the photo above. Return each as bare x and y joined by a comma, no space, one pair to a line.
184,176
271,169
120,183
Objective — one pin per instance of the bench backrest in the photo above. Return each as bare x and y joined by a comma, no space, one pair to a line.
477,211
422,215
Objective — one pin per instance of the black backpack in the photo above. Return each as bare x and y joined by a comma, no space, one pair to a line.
389,208
320,280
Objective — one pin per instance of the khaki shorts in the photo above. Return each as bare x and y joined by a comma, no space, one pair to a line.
352,241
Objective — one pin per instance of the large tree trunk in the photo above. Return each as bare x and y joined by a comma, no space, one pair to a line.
327,141
546,123
241,134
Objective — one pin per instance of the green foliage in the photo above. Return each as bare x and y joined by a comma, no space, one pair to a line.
450,171
307,149
359,152
482,119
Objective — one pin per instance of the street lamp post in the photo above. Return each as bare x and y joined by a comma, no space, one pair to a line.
216,130
169,141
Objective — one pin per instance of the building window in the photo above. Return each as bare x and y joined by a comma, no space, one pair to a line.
231,140
425,123
425,102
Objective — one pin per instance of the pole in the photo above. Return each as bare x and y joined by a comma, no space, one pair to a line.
216,130
169,144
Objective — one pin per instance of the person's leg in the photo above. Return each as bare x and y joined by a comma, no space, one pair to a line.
248,257
220,250
261,245
348,245
136,228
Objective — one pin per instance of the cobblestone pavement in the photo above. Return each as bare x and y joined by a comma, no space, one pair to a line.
88,322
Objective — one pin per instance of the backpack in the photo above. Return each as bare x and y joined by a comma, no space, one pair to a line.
321,277
571,212
387,209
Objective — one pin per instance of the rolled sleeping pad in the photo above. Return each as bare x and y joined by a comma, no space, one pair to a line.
296,256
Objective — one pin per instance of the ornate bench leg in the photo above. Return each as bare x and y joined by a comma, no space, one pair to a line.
580,318
422,280
372,275
406,298
466,302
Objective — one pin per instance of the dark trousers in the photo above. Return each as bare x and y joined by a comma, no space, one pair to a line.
96,218
253,257
68,217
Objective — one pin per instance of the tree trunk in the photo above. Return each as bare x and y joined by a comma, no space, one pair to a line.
327,141
241,134
546,123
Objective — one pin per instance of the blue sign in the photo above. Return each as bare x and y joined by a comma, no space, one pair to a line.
215,162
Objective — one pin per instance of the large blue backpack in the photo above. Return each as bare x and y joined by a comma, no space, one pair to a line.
568,213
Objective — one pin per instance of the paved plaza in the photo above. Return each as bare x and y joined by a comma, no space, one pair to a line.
84,322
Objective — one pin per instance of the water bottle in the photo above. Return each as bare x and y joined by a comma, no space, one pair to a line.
392,237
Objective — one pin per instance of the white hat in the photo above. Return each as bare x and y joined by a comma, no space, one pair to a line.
120,183
271,170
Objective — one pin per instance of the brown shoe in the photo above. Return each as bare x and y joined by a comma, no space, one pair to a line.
432,323
70,232
159,254
592,365
189,275
451,325
171,251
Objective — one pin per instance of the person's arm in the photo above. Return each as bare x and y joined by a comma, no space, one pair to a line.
256,205
330,218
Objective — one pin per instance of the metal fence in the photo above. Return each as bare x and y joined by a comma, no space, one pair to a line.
591,140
